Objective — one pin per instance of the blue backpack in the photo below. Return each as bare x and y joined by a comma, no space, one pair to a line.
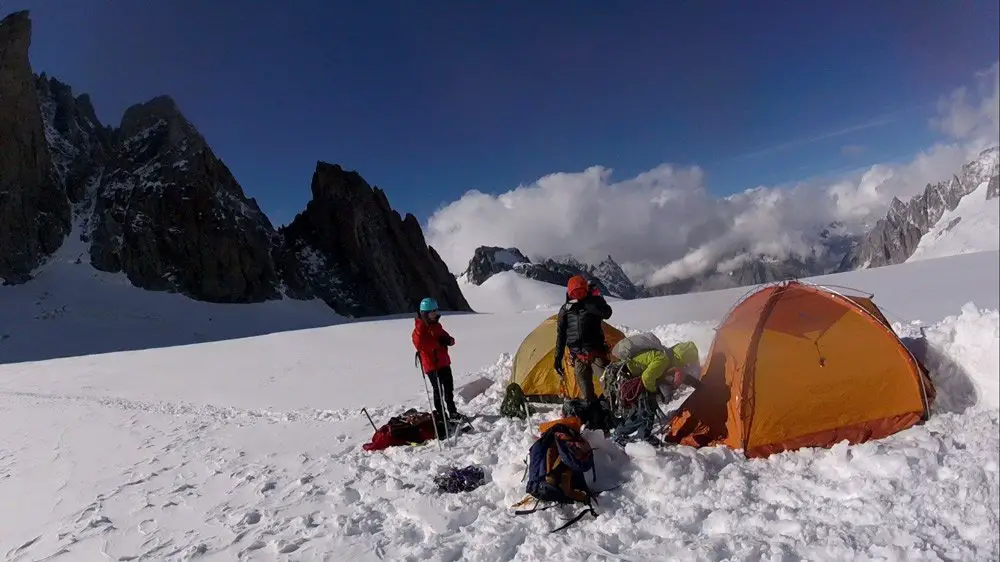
557,465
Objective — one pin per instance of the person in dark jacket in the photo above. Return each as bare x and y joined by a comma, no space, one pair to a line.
432,341
579,328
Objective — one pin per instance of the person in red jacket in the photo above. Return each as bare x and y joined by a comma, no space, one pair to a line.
432,341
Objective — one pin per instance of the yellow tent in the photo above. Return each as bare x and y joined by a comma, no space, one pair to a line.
533,364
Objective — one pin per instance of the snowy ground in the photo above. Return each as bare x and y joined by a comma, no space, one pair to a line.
973,226
249,449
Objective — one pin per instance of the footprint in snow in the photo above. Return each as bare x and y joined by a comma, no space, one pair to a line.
251,518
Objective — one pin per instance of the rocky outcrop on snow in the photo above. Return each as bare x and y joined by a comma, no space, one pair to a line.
993,190
357,254
487,261
894,238
34,210
608,276
155,203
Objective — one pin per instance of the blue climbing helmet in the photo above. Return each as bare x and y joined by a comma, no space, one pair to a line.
428,305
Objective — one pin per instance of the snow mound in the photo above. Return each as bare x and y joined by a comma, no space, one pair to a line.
973,226
509,291
962,353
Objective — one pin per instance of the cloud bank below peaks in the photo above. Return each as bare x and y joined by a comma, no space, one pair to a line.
664,224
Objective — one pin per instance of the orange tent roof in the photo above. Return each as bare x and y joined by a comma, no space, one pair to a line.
796,365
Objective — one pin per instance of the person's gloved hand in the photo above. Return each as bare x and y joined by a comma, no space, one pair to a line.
560,371
676,377
446,341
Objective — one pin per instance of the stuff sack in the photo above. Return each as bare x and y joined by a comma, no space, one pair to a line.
633,345
515,403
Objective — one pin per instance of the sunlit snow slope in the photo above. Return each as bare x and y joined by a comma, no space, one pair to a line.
509,291
973,226
249,449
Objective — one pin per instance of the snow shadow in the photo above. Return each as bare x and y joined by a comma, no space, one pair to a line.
20,345
610,462
40,325
955,390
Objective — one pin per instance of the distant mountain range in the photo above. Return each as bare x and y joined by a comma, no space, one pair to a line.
892,240
608,276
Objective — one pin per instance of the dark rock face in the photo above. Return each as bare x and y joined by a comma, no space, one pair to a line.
487,261
993,190
894,238
79,144
170,215
34,211
357,254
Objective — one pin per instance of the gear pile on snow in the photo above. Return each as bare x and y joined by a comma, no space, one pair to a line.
454,480
409,428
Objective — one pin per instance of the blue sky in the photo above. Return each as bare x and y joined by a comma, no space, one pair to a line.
429,99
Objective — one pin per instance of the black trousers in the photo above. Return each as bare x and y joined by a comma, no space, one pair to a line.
442,383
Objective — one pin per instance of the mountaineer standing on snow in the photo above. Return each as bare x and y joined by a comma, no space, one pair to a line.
432,342
579,328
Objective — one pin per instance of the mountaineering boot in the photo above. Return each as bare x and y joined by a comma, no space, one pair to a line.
457,417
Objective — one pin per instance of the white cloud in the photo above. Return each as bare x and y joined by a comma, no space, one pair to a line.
664,224
962,118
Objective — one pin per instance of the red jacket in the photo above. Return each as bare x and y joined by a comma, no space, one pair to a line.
427,339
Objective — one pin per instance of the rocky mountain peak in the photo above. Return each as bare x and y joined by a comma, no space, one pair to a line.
15,34
993,189
159,125
359,255
608,276
487,261
34,210
171,216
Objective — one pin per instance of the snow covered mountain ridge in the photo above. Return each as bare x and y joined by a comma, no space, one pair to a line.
158,206
607,275
896,237
891,240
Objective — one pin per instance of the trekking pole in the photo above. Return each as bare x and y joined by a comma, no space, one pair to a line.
430,401
444,411
365,412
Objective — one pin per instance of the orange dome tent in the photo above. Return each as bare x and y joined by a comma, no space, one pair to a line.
797,365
